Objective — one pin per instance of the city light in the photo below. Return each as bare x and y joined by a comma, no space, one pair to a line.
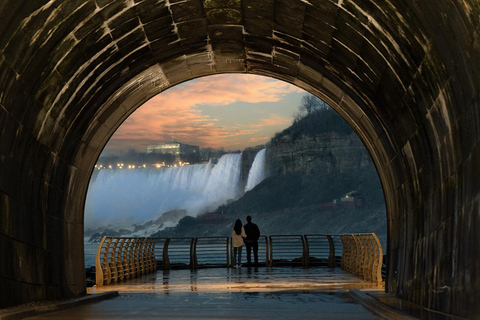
140,166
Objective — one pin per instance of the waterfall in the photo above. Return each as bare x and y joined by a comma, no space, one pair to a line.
257,171
123,197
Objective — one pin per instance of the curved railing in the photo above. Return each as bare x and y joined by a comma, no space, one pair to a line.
288,250
362,255
123,258
320,250
263,251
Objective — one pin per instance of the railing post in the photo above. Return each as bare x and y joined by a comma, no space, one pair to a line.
141,257
193,253
359,256
369,257
331,253
131,261
106,262
271,250
120,268
136,254
166,260
354,254
151,255
378,258
267,251
228,253
113,261
154,258
344,252
99,277
306,252
146,256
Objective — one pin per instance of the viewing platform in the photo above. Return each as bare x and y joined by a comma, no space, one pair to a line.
244,279
298,277
280,292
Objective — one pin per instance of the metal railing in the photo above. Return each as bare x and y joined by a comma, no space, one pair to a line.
320,250
362,255
288,250
211,252
263,251
123,258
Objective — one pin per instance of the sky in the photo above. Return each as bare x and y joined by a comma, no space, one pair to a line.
233,111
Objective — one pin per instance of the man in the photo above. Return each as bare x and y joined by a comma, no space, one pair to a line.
251,241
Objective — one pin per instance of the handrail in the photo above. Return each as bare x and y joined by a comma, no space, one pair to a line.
362,255
283,246
320,250
122,258
182,255
261,248
211,252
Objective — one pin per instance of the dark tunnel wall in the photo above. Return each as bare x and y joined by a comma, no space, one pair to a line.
405,74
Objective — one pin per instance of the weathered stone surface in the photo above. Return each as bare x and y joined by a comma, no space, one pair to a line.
405,75
328,152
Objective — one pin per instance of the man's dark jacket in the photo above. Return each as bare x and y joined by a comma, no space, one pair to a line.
252,231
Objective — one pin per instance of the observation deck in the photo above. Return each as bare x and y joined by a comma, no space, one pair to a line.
278,292
298,277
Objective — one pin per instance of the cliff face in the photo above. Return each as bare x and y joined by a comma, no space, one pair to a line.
326,152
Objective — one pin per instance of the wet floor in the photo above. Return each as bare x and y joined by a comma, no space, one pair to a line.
242,280
264,293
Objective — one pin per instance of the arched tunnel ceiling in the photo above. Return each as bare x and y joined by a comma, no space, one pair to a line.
405,74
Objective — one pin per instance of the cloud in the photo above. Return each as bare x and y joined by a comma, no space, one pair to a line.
273,120
259,139
175,113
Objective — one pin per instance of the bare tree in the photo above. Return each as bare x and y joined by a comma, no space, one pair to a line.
310,104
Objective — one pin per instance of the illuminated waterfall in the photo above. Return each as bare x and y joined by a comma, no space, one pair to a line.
257,171
123,197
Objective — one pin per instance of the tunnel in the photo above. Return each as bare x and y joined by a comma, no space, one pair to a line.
405,74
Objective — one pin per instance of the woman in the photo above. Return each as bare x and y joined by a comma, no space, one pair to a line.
238,233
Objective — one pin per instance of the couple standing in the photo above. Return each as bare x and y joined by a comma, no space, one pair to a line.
247,236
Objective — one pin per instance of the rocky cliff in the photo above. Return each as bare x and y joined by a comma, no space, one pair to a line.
328,152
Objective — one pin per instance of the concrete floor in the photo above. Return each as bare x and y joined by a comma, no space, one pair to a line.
264,293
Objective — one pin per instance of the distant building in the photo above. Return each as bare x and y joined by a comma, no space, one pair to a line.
178,149
351,199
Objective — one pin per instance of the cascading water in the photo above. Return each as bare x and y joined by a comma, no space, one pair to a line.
123,197
257,171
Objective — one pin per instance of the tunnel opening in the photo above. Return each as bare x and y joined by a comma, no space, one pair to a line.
330,183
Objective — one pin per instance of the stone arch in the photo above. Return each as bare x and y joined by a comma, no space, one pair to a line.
404,74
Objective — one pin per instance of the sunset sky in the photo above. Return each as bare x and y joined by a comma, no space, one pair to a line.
230,111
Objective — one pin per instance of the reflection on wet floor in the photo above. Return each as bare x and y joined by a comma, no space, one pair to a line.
219,280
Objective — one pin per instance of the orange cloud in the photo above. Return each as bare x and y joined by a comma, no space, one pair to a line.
175,114
274,120
259,139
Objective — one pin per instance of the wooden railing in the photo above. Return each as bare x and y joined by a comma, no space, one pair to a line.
123,258
362,255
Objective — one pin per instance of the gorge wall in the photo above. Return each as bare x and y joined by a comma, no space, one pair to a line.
328,152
